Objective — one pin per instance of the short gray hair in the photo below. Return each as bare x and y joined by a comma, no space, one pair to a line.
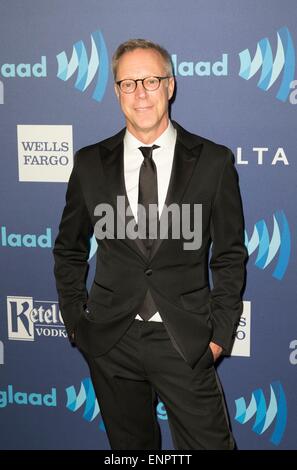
133,44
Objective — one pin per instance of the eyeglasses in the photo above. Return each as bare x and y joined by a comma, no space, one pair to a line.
149,83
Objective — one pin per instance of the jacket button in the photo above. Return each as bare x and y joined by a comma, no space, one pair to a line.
148,272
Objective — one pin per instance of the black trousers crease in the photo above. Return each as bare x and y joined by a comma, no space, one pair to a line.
143,366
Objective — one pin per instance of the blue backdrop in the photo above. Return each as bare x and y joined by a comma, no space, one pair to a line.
235,64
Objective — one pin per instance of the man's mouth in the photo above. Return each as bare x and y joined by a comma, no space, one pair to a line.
143,108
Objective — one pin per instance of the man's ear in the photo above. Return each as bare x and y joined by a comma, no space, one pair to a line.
171,85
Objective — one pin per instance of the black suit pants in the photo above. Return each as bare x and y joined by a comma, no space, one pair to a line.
144,365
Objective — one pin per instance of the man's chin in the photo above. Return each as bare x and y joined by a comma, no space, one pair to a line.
147,125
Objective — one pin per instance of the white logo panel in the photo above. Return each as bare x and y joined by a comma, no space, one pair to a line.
20,326
242,343
45,153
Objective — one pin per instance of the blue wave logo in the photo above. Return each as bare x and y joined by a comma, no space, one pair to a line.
264,416
280,244
87,70
86,396
283,62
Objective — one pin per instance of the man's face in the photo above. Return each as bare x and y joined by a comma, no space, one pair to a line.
146,112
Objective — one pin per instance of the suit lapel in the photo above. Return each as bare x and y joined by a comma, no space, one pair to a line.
184,164
113,165
186,156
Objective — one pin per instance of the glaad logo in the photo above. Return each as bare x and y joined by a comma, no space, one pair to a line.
98,63
284,61
86,396
267,249
27,240
201,68
277,409
10,397
86,69
27,317
37,70
271,68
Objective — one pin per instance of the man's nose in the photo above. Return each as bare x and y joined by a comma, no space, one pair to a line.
140,91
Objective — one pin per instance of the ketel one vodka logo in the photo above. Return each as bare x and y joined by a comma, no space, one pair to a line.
28,319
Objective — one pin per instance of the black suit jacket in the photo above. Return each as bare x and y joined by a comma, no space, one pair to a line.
203,172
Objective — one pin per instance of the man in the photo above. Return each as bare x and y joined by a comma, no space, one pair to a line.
150,325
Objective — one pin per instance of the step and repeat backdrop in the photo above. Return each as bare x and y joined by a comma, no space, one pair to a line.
235,67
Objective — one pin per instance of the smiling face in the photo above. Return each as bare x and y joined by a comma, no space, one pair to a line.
146,112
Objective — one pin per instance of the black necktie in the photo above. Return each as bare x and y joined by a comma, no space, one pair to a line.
148,194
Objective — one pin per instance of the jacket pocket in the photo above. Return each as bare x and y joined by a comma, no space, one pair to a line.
100,295
197,300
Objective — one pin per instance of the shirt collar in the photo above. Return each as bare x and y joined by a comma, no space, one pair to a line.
164,140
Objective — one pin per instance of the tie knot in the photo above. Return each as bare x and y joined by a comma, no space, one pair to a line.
147,152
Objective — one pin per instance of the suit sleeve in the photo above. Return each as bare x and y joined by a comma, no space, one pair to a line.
71,252
228,257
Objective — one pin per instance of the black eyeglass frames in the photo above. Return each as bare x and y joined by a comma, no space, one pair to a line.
149,83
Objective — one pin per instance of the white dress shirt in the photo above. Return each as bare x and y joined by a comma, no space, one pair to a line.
163,158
